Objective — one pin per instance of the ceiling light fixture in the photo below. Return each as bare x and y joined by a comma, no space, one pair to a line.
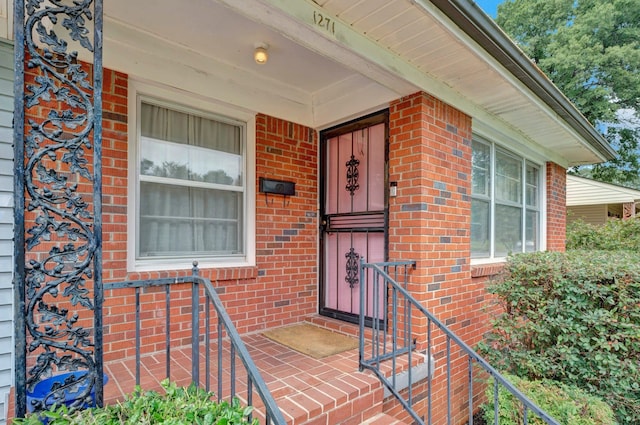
260,55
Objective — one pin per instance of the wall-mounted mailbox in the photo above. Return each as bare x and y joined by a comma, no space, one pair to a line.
277,187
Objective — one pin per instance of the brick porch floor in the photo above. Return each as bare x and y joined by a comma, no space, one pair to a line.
327,391
308,391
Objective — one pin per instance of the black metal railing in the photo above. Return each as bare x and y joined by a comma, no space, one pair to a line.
392,355
217,349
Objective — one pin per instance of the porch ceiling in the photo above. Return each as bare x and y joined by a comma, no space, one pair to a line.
377,51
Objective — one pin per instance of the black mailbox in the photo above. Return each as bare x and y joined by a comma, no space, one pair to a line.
277,187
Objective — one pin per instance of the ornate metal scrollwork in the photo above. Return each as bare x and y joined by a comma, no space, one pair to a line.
352,268
58,194
352,175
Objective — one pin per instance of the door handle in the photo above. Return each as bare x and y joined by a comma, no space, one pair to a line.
323,225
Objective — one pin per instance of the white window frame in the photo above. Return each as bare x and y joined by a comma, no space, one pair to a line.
191,103
526,159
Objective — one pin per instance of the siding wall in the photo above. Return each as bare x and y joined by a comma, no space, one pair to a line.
6,225
594,214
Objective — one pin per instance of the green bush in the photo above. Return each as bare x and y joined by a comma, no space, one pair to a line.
567,404
178,406
573,318
614,235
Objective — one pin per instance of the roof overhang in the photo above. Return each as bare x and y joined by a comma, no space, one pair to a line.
374,51
582,191
492,38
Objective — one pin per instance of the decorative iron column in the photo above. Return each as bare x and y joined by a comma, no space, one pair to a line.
58,208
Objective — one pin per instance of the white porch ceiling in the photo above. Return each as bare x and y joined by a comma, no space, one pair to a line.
381,50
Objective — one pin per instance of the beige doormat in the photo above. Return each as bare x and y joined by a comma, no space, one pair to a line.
312,340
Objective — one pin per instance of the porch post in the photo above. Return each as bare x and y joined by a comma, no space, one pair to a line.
628,210
57,197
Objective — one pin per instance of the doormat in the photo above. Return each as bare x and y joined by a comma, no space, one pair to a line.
312,340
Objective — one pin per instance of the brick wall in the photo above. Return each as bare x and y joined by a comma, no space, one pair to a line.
114,174
39,114
556,207
280,289
287,233
429,221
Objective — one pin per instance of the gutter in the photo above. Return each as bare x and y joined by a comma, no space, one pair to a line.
484,31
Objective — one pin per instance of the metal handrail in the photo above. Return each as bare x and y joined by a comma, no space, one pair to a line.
273,415
384,332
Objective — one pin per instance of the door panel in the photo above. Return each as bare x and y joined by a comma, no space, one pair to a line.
345,296
368,147
376,177
354,215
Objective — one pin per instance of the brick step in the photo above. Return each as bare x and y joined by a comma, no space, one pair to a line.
336,392
383,419
351,398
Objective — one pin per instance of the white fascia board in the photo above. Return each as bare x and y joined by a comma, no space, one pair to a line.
176,66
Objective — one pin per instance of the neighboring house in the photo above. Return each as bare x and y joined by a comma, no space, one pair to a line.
461,146
6,225
595,202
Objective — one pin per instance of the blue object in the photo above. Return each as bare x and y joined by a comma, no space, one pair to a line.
38,396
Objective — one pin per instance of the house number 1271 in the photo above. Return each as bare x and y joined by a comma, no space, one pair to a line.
323,22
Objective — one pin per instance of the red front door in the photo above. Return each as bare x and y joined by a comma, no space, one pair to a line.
354,213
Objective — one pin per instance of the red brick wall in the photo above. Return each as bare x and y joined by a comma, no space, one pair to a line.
280,289
115,182
429,221
556,207
286,230
114,173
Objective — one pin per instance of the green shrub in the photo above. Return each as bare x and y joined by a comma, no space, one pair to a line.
178,406
567,404
573,318
614,235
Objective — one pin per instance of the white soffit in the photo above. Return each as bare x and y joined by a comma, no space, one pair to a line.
581,191
330,60
436,46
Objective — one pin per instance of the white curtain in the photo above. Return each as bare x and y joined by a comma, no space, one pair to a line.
180,220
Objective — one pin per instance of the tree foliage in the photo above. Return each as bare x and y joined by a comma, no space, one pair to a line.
591,50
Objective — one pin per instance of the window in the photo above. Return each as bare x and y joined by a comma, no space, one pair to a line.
192,198
505,215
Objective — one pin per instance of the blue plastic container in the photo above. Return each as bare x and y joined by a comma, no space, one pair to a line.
43,388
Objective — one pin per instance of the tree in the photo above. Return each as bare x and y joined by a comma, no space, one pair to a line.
624,136
591,50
